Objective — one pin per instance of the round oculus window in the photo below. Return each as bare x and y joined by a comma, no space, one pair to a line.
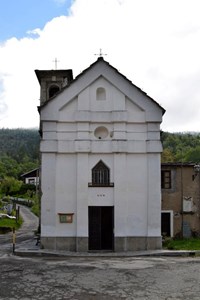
101,132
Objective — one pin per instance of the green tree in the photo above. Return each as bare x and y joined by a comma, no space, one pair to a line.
167,156
8,167
183,146
10,186
193,155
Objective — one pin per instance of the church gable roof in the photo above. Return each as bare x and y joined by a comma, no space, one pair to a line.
102,68
120,74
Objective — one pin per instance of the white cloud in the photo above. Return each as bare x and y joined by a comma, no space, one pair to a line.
153,43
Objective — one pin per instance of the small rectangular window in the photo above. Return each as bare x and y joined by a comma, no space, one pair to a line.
166,179
31,181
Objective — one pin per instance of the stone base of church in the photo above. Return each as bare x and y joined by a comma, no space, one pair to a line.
65,243
137,243
59,243
121,244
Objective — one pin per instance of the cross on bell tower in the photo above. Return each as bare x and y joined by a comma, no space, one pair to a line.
56,62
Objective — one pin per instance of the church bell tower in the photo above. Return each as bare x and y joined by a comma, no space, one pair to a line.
51,82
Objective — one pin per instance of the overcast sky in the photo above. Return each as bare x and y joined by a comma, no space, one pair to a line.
154,43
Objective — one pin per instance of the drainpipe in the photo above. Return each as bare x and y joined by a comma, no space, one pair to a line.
182,219
197,173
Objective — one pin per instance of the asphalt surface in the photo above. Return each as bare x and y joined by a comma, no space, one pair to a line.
129,276
98,278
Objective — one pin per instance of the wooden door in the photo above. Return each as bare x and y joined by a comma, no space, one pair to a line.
101,225
166,224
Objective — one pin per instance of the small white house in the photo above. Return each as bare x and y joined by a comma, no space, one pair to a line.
31,177
100,162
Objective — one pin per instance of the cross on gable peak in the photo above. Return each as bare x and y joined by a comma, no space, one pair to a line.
100,54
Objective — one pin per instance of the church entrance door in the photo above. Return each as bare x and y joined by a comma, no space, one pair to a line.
101,227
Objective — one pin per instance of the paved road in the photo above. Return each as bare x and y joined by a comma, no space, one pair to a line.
99,278
25,235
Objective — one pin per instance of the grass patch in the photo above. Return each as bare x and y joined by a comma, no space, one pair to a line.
182,244
8,224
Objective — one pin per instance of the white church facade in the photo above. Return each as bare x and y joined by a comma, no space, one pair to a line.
100,162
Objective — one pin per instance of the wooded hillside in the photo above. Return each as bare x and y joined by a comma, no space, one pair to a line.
180,147
19,150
